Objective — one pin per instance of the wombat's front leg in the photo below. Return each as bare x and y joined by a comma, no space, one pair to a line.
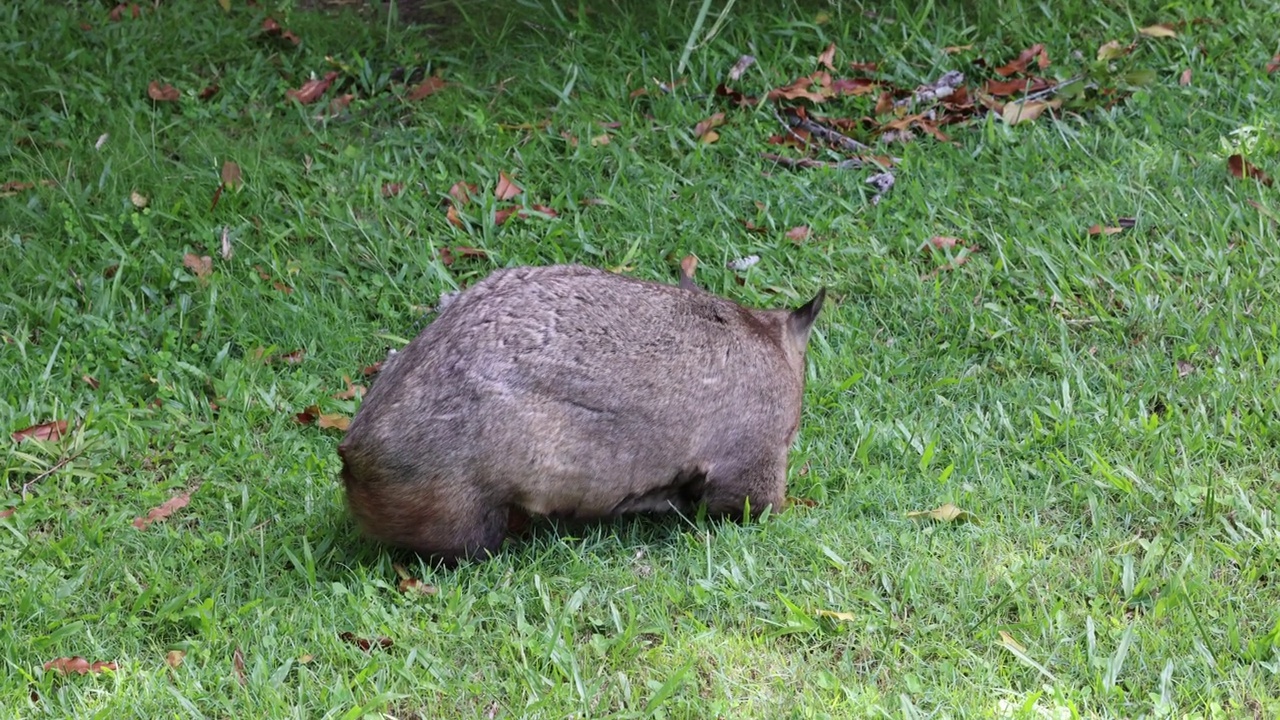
731,487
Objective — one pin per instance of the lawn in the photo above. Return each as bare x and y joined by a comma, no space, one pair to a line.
194,279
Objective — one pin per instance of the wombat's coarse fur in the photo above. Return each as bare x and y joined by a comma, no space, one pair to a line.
574,392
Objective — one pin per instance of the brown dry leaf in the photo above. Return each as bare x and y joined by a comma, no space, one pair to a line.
1162,30
162,93
334,422
853,86
231,176
371,370
391,189
1274,65
7,512
710,137
865,66
741,66
295,357
13,187
451,214
1035,52
802,88
208,92
408,583
708,124
271,28
942,242
77,665
828,57
311,90
90,380
836,615
175,657
1020,111
353,391
201,265
53,430
1185,79
462,191
308,416
1241,169
163,511
601,139
506,188
945,513
363,644
1004,88
954,49
798,233
1185,368
1101,230
138,199
237,663
430,86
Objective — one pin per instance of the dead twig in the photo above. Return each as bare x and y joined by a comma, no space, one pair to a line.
807,163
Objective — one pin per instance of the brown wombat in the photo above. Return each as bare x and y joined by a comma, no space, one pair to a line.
575,392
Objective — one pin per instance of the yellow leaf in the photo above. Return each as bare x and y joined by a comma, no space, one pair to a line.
1020,111
337,422
946,513
836,615
710,137
598,140
226,5
138,199
1007,640
1158,31
1111,50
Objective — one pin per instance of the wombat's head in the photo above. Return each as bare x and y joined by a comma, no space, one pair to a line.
793,327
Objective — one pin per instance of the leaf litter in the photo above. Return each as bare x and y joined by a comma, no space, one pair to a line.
78,665
164,510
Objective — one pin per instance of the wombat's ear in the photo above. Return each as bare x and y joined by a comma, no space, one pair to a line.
800,322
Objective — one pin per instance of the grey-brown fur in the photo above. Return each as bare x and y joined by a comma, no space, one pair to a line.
575,392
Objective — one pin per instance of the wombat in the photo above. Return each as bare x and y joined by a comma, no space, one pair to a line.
577,393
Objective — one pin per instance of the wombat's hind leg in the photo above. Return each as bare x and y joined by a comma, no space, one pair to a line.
446,526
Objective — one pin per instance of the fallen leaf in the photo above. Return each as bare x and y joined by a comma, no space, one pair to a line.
231,177
353,391
304,659
53,430
801,88
227,251
1274,65
946,513
688,266
7,512
77,665
853,86
311,90
429,86
1163,30
282,287
942,242
1020,111
954,49
461,192
1241,168
217,195
1101,230
163,511
451,214
1007,640
90,380
363,644
139,200
711,137
237,663
1035,52
828,57
1112,49
162,93
272,28
798,233
175,657
408,583
1185,79
295,357
836,615
371,370
117,12
601,139
201,265
391,189
588,202
806,502
334,422
708,124
308,416
1185,368
741,66
506,188
1001,88
13,187
337,105
869,67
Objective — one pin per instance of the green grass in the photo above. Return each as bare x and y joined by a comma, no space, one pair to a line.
1107,406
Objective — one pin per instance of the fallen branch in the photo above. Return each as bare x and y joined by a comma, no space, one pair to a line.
807,163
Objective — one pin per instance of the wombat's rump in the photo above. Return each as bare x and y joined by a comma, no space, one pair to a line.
570,391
